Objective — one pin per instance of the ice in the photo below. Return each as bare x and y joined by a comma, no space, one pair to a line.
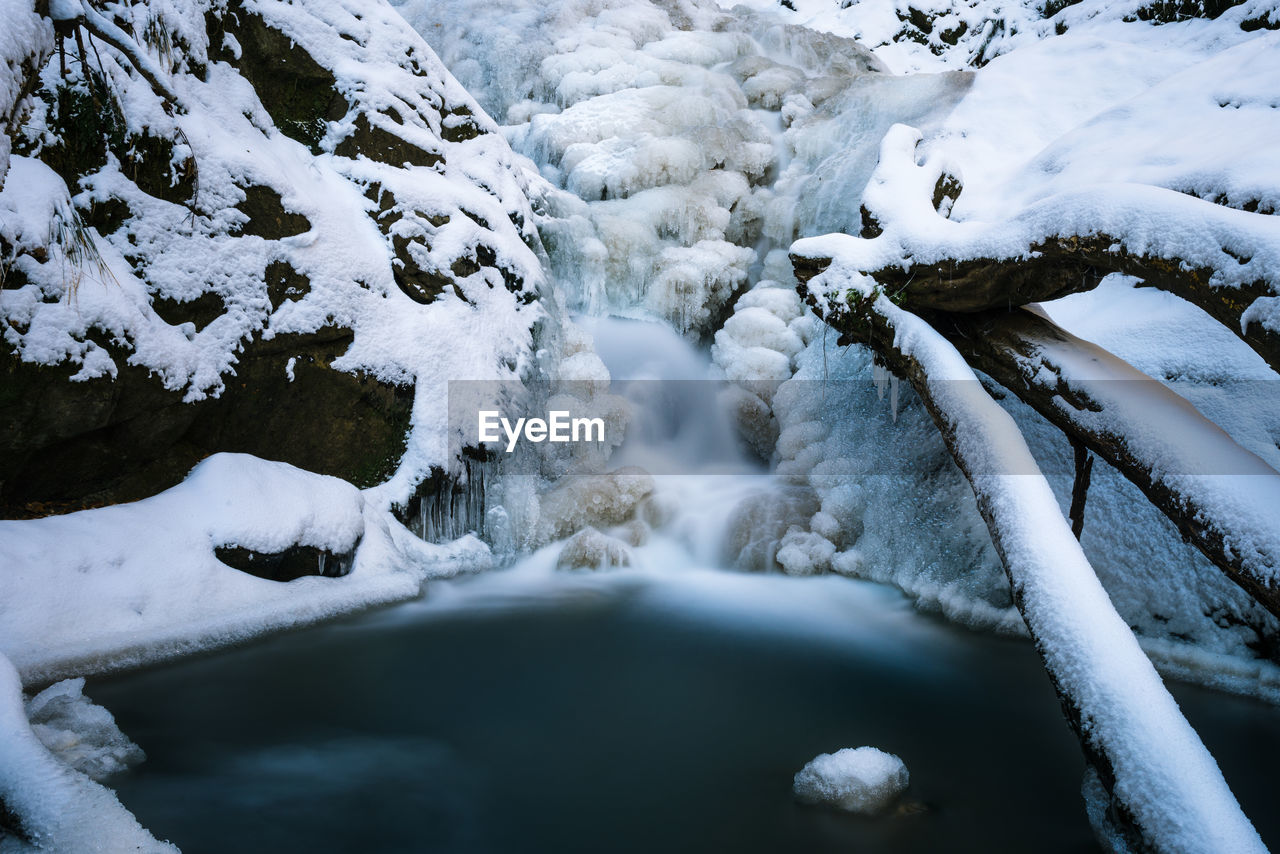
863,780
666,131
1062,132
759,523
79,732
579,501
804,552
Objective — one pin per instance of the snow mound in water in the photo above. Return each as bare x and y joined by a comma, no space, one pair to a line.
81,733
862,780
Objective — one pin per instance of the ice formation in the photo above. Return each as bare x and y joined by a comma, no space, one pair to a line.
864,780
663,132
79,732
1014,150
591,549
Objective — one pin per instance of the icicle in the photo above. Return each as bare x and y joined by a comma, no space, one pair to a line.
880,376
458,508
893,396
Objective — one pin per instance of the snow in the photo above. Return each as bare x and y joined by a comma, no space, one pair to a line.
668,154
863,780
132,583
26,36
56,807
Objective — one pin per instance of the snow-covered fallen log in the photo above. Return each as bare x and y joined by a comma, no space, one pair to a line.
1225,261
1163,790
1223,498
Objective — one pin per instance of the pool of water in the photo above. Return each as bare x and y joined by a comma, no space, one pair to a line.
627,712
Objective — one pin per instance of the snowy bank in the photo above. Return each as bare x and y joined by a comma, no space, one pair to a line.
119,586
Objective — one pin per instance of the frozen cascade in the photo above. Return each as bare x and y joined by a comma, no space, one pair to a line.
671,151
674,149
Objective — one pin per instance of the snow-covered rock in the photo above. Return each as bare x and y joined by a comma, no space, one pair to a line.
591,549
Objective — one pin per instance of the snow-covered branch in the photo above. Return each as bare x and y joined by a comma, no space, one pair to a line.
1223,498
102,27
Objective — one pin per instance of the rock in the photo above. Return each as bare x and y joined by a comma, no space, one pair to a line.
300,95
65,446
579,501
267,215
760,521
69,445
293,562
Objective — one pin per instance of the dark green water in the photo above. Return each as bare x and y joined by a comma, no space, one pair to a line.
622,718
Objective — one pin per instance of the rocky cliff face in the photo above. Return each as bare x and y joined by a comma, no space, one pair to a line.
254,226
